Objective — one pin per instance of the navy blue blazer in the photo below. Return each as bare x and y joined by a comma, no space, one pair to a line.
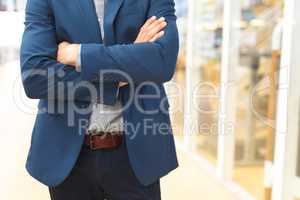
58,133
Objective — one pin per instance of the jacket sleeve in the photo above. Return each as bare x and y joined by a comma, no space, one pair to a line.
151,61
42,76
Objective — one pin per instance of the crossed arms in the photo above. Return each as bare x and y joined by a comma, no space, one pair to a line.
153,60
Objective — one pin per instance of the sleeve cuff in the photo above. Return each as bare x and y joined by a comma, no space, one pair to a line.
78,62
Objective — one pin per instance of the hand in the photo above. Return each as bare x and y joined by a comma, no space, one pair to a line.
68,53
152,30
122,84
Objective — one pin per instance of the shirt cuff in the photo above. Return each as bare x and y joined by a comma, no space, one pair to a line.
78,62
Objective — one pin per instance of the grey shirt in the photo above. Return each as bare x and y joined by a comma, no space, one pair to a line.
105,118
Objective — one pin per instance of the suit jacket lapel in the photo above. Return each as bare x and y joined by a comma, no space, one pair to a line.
91,25
111,10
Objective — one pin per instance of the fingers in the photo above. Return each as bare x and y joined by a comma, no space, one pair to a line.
157,36
151,30
149,22
122,84
156,23
63,44
68,53
156,29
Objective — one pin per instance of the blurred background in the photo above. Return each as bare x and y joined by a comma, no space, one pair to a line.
234,102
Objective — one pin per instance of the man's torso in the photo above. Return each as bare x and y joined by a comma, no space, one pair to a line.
105,118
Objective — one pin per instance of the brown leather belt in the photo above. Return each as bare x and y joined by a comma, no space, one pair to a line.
103,140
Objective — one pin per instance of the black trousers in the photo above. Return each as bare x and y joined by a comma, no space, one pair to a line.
104,174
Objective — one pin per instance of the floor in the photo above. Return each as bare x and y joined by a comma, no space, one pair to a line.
17,117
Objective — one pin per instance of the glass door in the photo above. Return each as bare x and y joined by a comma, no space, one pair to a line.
286,181
203,77
256,76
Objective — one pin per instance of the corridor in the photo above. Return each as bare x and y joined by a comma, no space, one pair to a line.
232,100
